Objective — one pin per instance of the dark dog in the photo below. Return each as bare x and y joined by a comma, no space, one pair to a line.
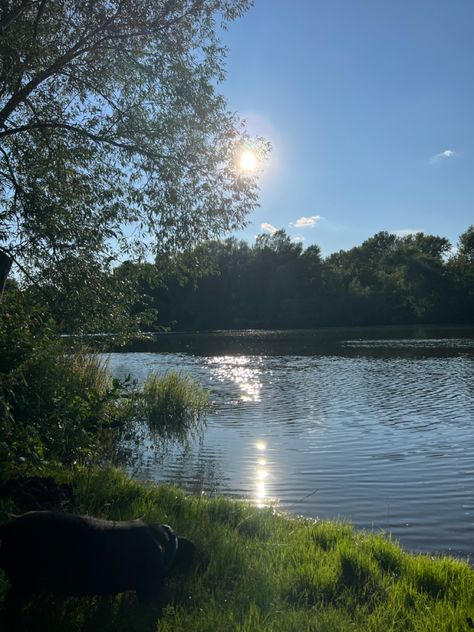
78,555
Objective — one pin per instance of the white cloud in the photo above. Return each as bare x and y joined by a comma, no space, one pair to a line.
298,239
404,232
443,155
268,228
305,222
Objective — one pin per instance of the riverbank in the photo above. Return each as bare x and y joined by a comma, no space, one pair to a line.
258,570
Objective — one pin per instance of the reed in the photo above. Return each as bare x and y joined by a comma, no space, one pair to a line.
172,403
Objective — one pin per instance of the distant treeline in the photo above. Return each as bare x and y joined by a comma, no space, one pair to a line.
276,283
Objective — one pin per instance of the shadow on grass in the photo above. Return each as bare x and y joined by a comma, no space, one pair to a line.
44,611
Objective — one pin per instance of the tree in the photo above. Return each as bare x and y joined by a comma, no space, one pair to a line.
315,300
112,134
466,246
461,268
274,281
391,279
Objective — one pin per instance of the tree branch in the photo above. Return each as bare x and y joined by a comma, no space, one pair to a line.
13,15
81,132
39,15
79,49
75,51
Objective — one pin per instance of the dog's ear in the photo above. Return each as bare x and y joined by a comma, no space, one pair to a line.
184,555
167,540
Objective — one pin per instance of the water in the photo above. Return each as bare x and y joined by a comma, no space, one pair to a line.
378,431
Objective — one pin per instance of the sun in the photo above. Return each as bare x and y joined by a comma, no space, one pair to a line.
248,161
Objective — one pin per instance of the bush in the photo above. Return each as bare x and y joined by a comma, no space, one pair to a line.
59,403
56,403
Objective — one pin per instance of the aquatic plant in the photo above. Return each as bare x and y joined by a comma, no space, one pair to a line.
172,403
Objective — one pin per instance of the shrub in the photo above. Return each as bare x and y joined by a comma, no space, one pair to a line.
59,403
55,402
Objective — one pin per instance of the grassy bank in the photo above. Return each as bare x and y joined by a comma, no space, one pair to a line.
256,570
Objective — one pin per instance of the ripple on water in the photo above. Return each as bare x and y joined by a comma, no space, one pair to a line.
387,442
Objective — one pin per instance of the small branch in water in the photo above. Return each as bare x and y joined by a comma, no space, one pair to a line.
300,500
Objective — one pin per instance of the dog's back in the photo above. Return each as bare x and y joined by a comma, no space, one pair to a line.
78,555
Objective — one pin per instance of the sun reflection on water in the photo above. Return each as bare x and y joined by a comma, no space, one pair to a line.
261,498
261,494
244,371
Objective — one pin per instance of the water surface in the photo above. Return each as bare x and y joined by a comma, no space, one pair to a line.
375,430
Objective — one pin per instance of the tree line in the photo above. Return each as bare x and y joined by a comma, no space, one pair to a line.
277,283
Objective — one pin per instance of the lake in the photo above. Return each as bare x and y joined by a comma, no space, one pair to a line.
372,426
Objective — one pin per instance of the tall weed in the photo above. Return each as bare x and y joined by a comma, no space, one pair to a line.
172,404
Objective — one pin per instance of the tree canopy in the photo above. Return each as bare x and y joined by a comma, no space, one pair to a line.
277,284
113,135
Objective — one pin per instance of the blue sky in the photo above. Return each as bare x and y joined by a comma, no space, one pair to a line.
369,106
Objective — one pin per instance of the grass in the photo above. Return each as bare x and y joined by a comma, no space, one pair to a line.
257,570
172,403
88,371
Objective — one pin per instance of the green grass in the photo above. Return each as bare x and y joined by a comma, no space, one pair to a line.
172,403
258,570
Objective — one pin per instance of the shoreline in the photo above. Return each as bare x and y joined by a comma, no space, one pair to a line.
257,569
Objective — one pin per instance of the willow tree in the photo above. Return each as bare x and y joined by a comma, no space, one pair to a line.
113,135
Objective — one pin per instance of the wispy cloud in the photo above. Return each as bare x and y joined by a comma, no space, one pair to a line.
297,239
404,232
268,228
306,222
443,155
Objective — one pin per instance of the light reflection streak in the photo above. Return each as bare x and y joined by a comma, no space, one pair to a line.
261,494
242,370
261,474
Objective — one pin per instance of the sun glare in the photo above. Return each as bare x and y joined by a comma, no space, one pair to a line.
248,160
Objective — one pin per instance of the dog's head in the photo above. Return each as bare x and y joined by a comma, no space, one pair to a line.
178,552
184,555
